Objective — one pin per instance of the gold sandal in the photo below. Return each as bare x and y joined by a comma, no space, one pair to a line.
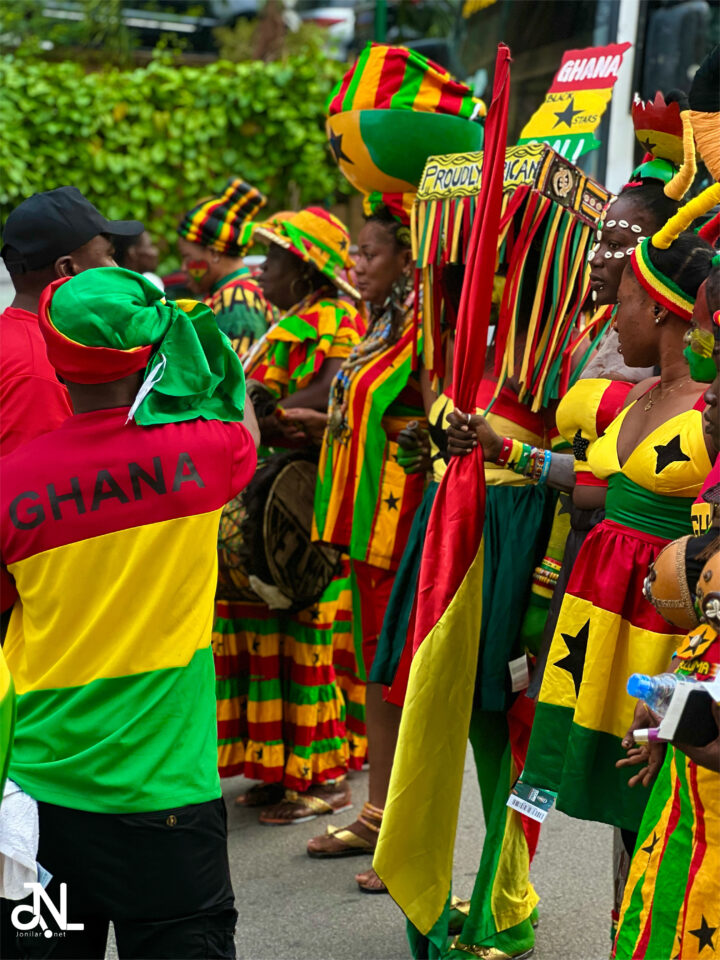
353,844
314,805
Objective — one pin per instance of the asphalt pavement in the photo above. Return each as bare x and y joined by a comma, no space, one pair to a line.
295,908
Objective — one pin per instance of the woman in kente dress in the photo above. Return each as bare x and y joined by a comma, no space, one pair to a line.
655,458
281,709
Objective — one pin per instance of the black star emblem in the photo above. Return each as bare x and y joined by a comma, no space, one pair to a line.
352,745
651,846
314,614
649,147
343,244
704,934
255,646
259,754
564,502
566,116
580,445
575,659
316,658
669,453
392,502
336,147
305,770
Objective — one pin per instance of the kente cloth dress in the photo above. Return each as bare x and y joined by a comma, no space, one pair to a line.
671,906
606,629
365,502
286,683
241,310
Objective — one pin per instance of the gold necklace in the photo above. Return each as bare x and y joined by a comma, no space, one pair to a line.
651,399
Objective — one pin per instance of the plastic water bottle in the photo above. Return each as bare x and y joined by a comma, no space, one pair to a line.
656,691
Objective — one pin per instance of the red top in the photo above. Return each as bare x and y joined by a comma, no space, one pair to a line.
97,475
32,400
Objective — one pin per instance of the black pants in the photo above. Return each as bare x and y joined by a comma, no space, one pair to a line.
163,879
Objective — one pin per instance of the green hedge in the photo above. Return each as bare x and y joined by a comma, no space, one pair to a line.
149,143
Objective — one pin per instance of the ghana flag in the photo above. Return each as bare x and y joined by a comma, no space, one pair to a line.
577,99
390,111
415,848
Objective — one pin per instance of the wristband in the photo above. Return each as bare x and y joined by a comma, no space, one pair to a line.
545,467
524,457
507,445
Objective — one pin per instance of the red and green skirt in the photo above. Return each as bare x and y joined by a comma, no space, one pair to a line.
286,714
606,631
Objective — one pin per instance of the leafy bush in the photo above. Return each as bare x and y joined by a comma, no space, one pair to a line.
149,143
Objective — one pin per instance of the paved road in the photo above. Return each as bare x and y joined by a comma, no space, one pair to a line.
295,908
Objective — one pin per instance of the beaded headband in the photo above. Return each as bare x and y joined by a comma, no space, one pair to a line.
661,288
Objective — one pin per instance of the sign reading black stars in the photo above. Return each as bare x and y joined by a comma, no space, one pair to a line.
575,659
566,116
336,147
668,453
392,502
705,934
651,846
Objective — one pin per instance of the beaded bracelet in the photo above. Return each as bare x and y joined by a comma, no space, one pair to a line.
525,459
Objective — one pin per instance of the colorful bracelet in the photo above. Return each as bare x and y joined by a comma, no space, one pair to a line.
507,444
547,461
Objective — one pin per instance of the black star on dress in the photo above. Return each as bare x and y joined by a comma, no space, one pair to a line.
668,453
352,745
336,147
651,846
259,754
564,501
314,614
705,934
316,658
566,116
580,446
391,501
575,660
255,646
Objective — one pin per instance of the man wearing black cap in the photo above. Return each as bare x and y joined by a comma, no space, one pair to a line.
50,235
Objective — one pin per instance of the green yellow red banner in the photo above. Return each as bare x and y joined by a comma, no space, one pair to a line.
577,99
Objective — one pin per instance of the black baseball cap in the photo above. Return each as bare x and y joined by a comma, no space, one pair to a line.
54,223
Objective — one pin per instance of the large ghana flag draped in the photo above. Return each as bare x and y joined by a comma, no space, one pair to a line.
416,845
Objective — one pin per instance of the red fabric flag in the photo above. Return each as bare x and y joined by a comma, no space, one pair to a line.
456,523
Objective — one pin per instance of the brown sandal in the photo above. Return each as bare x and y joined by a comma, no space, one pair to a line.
344,842
308,805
